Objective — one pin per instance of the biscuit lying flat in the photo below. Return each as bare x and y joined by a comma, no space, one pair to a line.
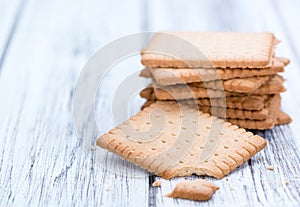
232,113
239,85
229,112
267,123
249,102
173,140
210,50
199,190
177,92
171,76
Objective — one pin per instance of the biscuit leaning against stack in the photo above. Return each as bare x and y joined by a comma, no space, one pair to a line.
233,76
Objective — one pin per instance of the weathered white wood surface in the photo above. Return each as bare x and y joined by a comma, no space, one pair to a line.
11,13
43,47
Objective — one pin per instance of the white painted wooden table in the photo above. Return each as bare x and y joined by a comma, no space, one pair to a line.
43,47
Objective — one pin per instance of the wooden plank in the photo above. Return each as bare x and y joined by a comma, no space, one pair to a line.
273,22
42,162
11,12
286,15
252,184
282,139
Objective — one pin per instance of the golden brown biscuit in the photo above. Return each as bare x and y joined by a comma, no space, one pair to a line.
210,49
172,76
172,139
178,92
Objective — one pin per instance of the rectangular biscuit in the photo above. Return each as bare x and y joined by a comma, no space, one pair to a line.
249,119
273,86
279,118
228,112
253,124
171,140
209,50
236,113
268,123
171,76
232,113
250,102
239,85
177,92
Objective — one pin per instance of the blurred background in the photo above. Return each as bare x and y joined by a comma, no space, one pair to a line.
44,42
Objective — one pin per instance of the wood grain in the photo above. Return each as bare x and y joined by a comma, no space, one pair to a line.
42,162
43,47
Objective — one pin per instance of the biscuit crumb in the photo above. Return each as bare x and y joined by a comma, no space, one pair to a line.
226,179
287,182
156,183
93,148
270,167
271,142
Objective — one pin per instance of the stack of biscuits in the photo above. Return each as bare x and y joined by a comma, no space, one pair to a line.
234,76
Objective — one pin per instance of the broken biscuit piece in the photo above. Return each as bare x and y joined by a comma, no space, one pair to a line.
173,139
199,190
